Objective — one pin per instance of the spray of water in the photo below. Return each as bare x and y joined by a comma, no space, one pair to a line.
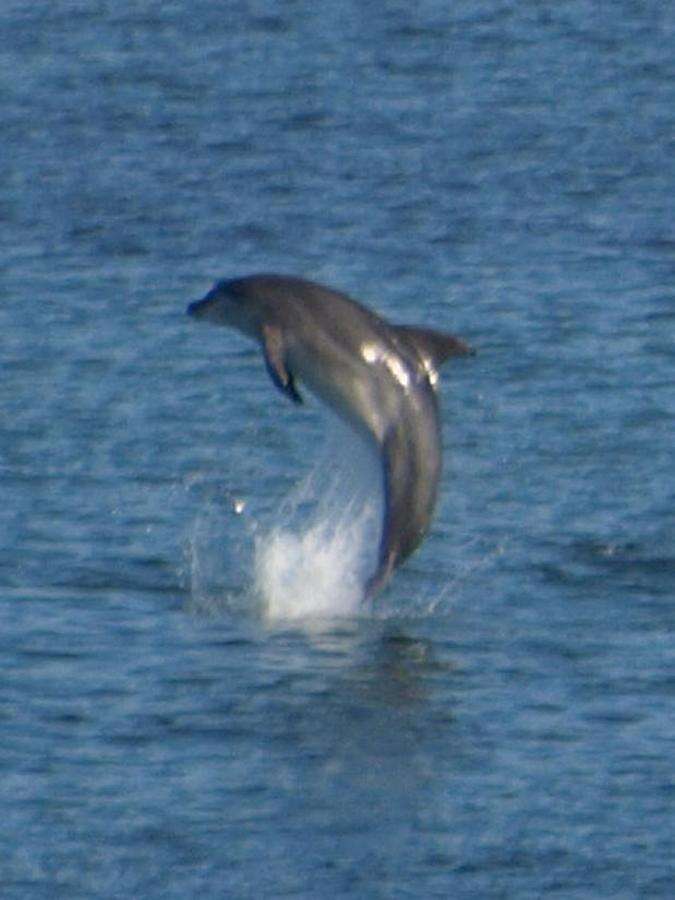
308,560
314,560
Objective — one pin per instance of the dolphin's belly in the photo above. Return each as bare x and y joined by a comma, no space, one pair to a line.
364,397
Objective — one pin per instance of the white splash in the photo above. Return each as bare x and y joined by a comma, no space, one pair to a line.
314,561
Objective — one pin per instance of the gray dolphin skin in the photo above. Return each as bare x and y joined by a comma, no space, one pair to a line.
381,378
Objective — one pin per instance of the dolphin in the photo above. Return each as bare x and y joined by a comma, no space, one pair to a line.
379,377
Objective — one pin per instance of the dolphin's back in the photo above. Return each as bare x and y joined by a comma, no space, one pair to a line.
305,308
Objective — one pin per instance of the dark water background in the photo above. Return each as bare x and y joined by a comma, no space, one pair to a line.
501,725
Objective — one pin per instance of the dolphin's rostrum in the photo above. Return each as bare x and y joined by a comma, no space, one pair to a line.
380,377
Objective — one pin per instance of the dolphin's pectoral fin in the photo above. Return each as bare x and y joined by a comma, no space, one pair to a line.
292,391
273,351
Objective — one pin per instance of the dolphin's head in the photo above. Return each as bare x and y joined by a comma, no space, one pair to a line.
226,304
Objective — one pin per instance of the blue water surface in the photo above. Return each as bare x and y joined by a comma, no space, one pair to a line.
500,722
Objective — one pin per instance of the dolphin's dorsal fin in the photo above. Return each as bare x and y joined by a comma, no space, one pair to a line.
433,347
273,351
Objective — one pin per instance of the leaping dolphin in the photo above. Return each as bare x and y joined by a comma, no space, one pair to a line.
379,377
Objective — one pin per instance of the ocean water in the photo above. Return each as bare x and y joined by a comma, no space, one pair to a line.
193,701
